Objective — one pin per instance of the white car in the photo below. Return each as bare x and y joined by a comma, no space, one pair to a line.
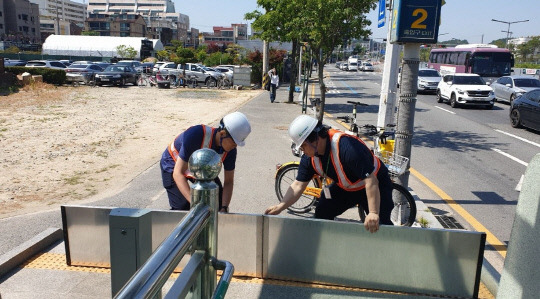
51,64
465,89
428,80
367,67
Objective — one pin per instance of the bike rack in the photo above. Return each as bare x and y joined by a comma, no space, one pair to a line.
197,230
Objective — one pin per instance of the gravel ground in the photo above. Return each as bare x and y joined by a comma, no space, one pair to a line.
64,145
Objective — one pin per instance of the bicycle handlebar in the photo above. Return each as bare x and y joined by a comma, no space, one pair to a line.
357,103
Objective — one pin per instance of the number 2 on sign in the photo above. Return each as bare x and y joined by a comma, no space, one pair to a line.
418,23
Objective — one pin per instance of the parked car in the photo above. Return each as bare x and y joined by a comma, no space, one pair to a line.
352,66
51,64
82,72
508,88
102,65
343,66
203,75
228,72
428,80
156,66
525,110
66,62
14,62
367,67
132,63
465,89
147,67
117,75
83,62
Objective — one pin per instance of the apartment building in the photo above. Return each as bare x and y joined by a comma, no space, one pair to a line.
63,17
2,21
20,21
161,19
226,35
116,24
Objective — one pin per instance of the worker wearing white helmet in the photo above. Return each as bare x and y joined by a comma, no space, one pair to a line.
359,177
232,132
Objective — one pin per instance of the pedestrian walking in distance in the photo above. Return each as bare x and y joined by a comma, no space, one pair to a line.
274,84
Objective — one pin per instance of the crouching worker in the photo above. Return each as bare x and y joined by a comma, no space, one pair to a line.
359,176
232,131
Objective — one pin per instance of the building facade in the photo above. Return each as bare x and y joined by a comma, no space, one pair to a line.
223,36
161,19
60,17
117,24
2,21
20,21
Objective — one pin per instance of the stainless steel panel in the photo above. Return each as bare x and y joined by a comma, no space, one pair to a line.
405,259
88,235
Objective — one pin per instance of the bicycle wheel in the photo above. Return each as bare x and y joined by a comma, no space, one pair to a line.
404,212
284,178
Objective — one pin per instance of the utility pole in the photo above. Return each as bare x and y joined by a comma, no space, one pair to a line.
508,30
407,104
387,100
265,57
300,63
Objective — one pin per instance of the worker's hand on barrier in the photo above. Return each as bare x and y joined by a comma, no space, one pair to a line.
273,210
372,222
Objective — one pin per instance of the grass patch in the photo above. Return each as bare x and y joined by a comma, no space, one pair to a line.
74,180
104,169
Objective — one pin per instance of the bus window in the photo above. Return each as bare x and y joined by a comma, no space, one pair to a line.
462,58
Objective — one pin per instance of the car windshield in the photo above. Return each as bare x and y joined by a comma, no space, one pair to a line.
78,66
428,73
367,64
527,82
114,68
469,80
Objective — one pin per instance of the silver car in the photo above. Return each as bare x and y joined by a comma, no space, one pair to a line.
508,88
428,80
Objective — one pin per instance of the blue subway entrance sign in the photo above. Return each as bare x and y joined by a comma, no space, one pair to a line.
415,21
382,13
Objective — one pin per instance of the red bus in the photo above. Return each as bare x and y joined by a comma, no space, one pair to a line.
488,61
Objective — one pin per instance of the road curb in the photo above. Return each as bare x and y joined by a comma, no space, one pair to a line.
23,252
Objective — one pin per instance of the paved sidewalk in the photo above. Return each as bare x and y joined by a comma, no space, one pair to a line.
268,145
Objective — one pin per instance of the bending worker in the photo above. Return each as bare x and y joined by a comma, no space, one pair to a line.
359,176
232,131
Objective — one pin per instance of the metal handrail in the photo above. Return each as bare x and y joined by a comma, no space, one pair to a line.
151,277
197,231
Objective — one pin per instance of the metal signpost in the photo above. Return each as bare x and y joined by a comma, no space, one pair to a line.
414,22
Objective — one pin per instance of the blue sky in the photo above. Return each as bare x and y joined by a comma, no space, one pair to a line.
461,19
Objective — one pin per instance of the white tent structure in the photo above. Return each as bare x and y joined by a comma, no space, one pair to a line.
96,46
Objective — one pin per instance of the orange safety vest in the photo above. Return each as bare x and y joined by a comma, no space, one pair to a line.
343,181
208,133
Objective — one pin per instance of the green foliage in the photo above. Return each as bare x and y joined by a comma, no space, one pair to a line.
126,51
526,50
527,66
51,76
12,50
201,55
162,55
90,33
186,55
218,58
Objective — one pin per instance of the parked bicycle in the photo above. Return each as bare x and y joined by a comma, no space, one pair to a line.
404,212
146,80
223,82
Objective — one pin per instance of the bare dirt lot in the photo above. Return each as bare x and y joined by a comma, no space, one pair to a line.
71,144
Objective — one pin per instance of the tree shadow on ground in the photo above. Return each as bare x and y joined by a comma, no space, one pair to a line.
459,141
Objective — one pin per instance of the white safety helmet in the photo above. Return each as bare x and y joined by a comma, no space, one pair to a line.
300,129
238,127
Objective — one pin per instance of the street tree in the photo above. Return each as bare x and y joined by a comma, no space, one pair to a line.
126,51
321,24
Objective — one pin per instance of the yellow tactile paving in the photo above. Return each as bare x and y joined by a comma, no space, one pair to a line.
57,261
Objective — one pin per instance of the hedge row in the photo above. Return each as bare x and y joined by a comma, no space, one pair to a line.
51,76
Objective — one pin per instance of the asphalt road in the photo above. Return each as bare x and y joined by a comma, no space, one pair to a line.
472,154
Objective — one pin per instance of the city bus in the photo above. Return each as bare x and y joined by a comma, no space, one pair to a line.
488,61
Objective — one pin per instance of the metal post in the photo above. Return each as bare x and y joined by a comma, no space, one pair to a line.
407,104
265,58
205,165
387,100
300,64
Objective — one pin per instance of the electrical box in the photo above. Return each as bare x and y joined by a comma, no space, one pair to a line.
130,233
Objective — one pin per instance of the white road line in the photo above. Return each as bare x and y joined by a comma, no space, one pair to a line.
511,157
517,137
444,110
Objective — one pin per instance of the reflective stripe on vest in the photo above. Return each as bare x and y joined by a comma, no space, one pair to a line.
343,181
208,132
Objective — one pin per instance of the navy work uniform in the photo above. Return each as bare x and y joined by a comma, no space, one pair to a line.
347,161
194,138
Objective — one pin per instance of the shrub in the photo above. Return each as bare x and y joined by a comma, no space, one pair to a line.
51,76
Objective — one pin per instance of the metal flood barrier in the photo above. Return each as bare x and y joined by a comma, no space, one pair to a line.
419,260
